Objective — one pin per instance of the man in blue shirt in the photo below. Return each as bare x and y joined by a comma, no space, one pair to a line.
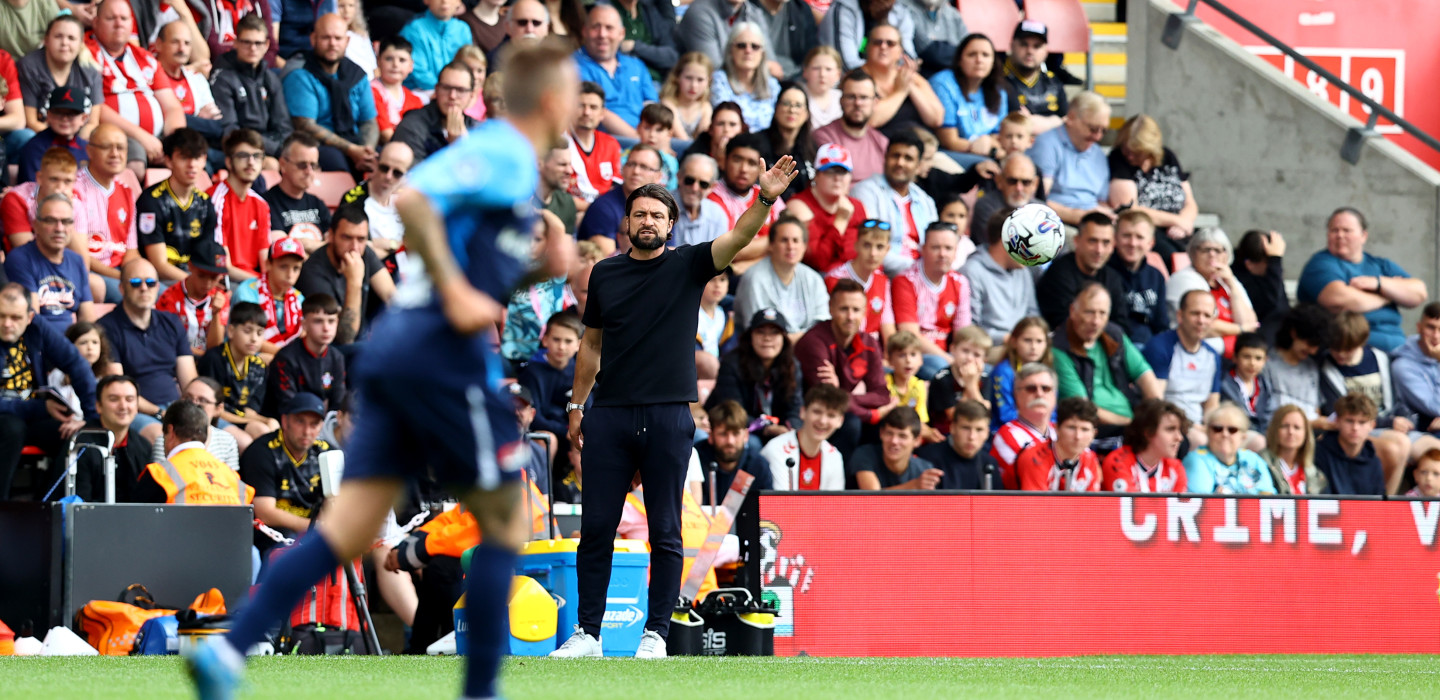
1343,277
329,98
150,345
66,111
50,270
1187,367
625,78
1076,174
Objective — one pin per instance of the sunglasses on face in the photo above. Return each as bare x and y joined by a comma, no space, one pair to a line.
1037,389
876,223
529,22
390,170
747,46
1230,429
143,281
1021,181
886,43
692,182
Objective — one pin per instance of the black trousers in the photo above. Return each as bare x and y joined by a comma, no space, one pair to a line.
436,590
15,434
655,440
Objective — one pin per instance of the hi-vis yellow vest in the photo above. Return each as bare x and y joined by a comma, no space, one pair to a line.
195,477
694,528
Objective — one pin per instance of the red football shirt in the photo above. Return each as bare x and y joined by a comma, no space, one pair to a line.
938,311
1125,473
878,309
1012,439
1038,470
389,111
244,225
131,81
595,170
11,76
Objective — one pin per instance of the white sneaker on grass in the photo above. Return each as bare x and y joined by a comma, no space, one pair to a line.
652,646
579,645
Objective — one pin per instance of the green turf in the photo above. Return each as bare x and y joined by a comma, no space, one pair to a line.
753,679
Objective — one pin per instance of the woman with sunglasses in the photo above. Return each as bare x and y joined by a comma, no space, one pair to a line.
1224,466
743,78
906,100
1147,461
1210,255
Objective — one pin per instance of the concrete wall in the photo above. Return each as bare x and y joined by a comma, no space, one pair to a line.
1264,153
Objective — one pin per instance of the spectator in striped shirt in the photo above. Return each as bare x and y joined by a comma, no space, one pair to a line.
1147,461
866,269
110,207
1035,398
931,299
1065,462
139,97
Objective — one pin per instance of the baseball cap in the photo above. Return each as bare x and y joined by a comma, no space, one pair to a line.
833,155
769,317
209,256
66,98
286,246
303,402
1032,27
519,391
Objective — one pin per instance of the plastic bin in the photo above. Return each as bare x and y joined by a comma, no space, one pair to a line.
552,564
736,624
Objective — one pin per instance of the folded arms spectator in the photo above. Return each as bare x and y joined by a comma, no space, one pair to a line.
1417,371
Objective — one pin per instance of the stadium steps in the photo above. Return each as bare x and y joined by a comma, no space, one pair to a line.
1107,48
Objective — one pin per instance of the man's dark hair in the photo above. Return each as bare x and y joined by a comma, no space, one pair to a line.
212,383
846,286
907,138
656,192
591,88
396,42
350,212
1077,407
568,318
1364,225
1431,311
902,418
970,410
320,302
790,220
1146,422
1355,404
856,76
243,137
188,421
299,138
658,114
1249,340
1095,218
1308,322
186,143
754,142
828,396
15,292
1185,298
247,312
995,226
1251,247
458,66
247,24
109,379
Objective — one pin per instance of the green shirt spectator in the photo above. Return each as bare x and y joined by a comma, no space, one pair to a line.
1092,357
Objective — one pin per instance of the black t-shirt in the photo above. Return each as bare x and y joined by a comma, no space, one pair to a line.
296,369
1044,98
242,380
308,213
160,217
268,468
750,461
869,458
1162,188
1062,282
649,313
319,276
960,473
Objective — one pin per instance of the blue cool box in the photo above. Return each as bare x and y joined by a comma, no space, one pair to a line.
552,564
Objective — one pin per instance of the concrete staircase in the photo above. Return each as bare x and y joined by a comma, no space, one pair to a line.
1108,55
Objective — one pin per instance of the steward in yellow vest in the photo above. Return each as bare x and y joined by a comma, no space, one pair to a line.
694,528
190,475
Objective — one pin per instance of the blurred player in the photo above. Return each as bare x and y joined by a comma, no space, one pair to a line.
428,383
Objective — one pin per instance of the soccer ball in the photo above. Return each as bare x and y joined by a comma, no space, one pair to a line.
1033,235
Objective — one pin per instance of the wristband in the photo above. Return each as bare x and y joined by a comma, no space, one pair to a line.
766,202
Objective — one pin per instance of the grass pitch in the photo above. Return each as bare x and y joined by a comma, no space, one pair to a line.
391,678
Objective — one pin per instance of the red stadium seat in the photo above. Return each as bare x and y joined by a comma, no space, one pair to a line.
993,18
1066,20
331,187
32,451
1154,260
127,176
271,177
154,175
1180,261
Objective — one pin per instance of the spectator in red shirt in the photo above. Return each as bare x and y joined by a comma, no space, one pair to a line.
932,300
242,216
827,208
595,155
18,208
1146,462
198,299
109,204
139,97
1035,388
867,268
739,187
838,354
1066,463
192,89
392,98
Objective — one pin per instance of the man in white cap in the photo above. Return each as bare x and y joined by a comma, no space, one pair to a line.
827,209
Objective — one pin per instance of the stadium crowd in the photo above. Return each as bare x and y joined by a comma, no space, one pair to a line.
166,245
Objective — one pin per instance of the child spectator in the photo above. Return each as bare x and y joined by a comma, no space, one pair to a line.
891,463
1292,370
656,123
1346,455
1028,342
549,381
1017,134
237,367
1351,366
199,299
961,380
872,244
1146,462
821,76
715,328
904,355
1222,466
392,98
962,458
436,35
276,294
529,310
309,365
1036,385
954,211
1065,463
687,93
1426,476
90,341
804,453
1246,385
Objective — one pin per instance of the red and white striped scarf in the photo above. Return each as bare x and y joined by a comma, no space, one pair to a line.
273,332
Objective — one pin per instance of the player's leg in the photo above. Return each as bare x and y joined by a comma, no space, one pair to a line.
669,428
503,530
608,464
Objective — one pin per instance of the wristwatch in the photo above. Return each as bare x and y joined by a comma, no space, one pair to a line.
573,407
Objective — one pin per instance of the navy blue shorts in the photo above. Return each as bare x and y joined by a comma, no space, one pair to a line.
468,436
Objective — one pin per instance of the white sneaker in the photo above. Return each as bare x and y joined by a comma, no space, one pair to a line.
652,646
580,645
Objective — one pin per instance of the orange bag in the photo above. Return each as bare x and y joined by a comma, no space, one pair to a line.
211,602
110,626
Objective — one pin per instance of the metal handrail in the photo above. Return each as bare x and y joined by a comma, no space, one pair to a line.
1350,150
